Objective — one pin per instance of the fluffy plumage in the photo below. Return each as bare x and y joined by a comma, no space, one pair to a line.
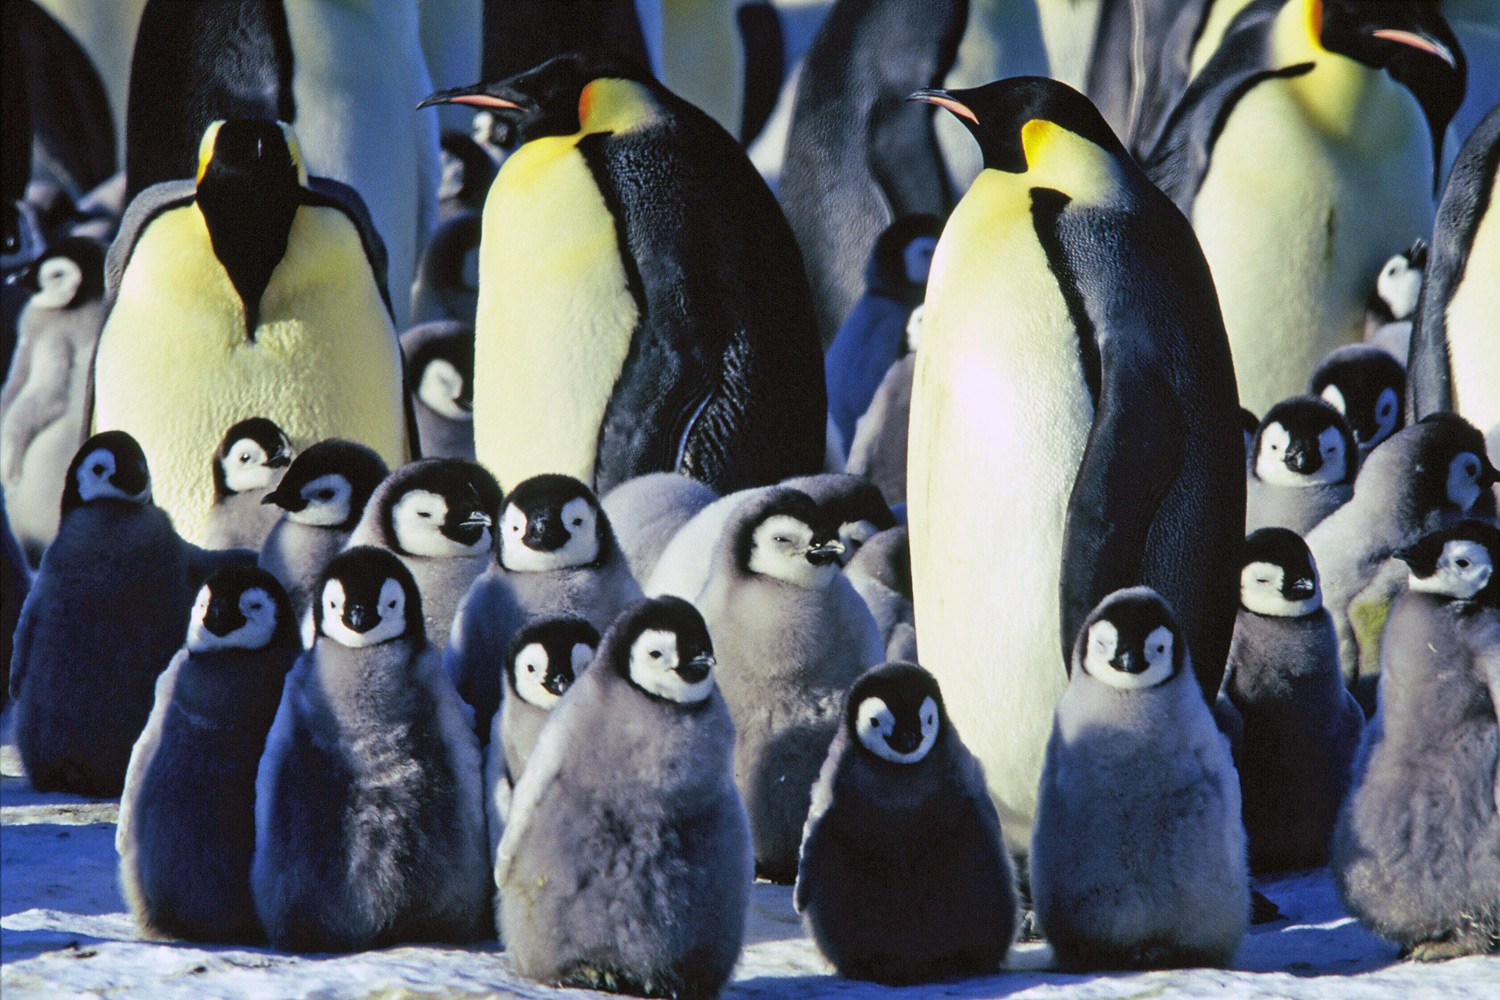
647,511
1302,466
878,450
440,377
880,573
1366,385
247,465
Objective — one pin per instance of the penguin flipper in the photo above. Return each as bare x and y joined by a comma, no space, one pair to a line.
765,65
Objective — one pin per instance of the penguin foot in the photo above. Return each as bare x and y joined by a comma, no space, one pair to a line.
1455,944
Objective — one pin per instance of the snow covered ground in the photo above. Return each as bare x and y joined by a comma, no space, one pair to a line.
64,933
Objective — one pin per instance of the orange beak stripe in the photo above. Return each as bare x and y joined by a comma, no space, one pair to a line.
482,101
954,106
1417,42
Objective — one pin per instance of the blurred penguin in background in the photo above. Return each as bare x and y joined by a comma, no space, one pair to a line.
440,377
247,466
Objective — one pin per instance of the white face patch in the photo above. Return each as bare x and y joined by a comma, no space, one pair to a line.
1386,414
876,724
1260,592
1103,643
1399,285
1463,480
778,549
245,467
328,498
1463,570
582,547
440,388
260,623
1334,398
417,518
59,279
1271,467
392,611
94,475
531,675
653,668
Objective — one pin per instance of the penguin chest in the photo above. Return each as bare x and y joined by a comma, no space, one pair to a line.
556,315
1473,321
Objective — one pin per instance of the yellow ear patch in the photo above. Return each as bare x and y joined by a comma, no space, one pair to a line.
206,146
1066,161
611,105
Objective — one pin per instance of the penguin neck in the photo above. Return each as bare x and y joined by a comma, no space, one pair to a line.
249,224
1340,93
1064,161
614,105
363,684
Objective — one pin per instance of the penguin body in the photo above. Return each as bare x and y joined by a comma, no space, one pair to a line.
1366,385
1301,725
626,864
647,511
187,816
904,876
369,828
878,450
1138,859
1392,305
1141,63
247,465
880,573
440,357
447,283
1302,467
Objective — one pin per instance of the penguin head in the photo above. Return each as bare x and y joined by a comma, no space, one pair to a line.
440,508
254,154
328,485
1250,424
1131,641
784,536
1399,284
366,597
662,647
903,254
1304,441
252,456
468,170
1452,467
1278,576
68,274
552,522
1367,386
241,607
854,502
1457,562
109,466
442,362
896,712
546,656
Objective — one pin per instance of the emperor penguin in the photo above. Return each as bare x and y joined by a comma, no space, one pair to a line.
468,170
187,816
46,388
881,574
1068,303
369,825
438,516
555,554
647,511
626,863
1301,725
878,451
321,496
792,635
1455,364
254,292
1302,466
447,283
899,787
440,357
1138,857
247,465
1391,307
1354,99
1368,386
1416,853
1142,62
630,324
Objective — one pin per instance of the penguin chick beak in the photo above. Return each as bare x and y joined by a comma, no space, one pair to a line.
904,740
475,96
826,553
943,100
1488,476
132,480
1129,662
1431,46
558,682
1303,460
280,460
286,500
222,618
545,534
1301,590
695,669
360,618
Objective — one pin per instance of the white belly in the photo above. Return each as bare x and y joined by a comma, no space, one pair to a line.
1474,330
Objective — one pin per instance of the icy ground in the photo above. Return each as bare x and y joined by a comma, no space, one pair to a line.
64,933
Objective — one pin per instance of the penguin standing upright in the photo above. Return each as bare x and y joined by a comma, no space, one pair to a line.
648,510
642,305
440,360
1070,306
248,464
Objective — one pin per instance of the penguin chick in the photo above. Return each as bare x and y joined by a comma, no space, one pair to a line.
899,785
1138,854
555,554
105,614
447,285
626,865
369,829
648,510
1392,304
440,360
1416,853
1301,725
15,583
438,516
1251,425
322,495
187,817
1304,464
881,574
468,171
853,502
1368,387
247,465
878,451
792,635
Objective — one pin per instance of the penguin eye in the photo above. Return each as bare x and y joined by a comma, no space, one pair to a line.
656,654
1262,579
577,521
98,470
782,540
1463,564
324,494
531,668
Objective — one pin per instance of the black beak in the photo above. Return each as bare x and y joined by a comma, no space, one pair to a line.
289,500
1488,476
280,460
825,553
478,96
904,740
558,681
360,618
696,668
545,533
1300,590
1302,459
1129,662
222,617
943,99
132,480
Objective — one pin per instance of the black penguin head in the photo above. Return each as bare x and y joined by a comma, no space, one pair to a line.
895,712
1399,285
1304,441
1457,562
109,466
366,597
1451,467
1367,386
441,508
252,456
68,274
468,170
903,254
328,485
782,535
661,646
1278,576
546,656
241,607
1131,641
855,503
552,522
441,364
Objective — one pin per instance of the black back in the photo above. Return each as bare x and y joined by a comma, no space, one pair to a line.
520,34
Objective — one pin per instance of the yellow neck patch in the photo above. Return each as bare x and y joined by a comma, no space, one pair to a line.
611,105
1066,161
1336,92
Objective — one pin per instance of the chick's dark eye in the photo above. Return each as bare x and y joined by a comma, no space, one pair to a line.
98,470
656,654
1463,564
325,494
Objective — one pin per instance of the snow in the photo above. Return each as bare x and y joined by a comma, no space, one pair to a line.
64,933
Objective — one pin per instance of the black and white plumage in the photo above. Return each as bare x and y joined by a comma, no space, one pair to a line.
186,834
647,511
626,864
1368,386
904,875
1392,305
369,825
247,465
440,366
1302,466
880,573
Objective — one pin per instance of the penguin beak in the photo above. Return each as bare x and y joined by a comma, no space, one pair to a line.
944,100
558,682
360,618
288,500
1301,590
132,480
477,96
826,553
1420,42
545,534
695,669
1302,459
904,740
465,403
1129,662
1489,476
280,460
222,618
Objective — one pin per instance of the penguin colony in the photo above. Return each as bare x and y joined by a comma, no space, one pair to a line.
601,591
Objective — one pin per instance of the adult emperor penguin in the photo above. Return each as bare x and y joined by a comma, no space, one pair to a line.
369,829
1070,306
440,358
647,511
187,817
686,296
247,466
626,862
1123,874
1302,466
1455,362
1416,853
1368,386
254,292
898,785
1353,98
